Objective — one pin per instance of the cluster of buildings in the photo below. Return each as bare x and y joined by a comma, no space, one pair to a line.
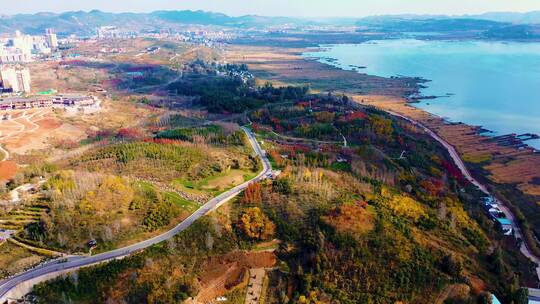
194,35
44,101
14,79
492,207
15,52
23,48
113,32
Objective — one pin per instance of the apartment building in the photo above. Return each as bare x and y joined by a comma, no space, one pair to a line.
52,40
15,78
14,55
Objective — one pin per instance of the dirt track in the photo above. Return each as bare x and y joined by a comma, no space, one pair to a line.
18,126
16,129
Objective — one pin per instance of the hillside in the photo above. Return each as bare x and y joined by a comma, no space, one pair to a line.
349,224
362,206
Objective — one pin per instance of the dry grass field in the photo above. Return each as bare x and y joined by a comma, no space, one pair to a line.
287,66
65,77
14,259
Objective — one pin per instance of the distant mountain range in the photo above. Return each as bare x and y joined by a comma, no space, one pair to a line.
517,18
431,24
485,26
84,23
506,17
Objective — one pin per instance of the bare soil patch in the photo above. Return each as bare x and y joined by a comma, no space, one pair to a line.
225,273
8,169
48,123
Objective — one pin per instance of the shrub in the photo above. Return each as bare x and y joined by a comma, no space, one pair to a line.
160,214
282,185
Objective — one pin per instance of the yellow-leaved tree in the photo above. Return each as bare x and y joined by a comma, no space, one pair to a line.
255,224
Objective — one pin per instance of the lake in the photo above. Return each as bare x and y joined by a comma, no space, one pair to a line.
495,85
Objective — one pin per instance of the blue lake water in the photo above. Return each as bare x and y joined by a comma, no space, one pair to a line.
495,85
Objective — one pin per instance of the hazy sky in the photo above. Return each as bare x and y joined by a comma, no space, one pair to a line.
313,8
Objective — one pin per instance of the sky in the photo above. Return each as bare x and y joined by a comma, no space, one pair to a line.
298,8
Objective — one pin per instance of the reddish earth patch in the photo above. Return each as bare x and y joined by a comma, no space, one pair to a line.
48,123
8,169
478,286
224,273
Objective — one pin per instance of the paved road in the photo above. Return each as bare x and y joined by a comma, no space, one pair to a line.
78,262
461,165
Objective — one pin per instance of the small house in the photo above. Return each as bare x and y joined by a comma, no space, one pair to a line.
505,225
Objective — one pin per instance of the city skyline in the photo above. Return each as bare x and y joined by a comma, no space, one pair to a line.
299,8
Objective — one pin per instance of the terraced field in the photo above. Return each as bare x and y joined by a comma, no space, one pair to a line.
19,218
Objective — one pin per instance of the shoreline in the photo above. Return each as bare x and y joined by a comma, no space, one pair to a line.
417,97
523,247
509,172
446,131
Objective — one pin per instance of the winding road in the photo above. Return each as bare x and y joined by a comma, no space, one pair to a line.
461,165
17,286
11,288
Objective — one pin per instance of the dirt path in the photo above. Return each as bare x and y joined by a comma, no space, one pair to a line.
8,135
28,121
450,289
255,285
215,287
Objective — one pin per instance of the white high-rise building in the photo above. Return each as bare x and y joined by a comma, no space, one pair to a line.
52,40
14,55
41,45
16,78
22,42
18,49
108,32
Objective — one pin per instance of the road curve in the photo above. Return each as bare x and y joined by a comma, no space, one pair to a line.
461,165
75,262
